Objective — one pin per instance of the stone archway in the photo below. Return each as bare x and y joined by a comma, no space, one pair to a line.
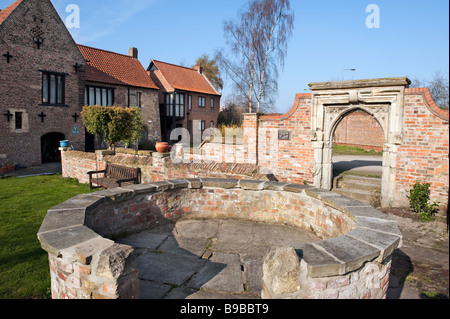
332,101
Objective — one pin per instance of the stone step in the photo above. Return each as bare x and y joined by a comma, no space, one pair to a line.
357,185
363,196
362,179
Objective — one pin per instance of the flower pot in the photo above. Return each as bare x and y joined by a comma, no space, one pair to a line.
64,143
162,147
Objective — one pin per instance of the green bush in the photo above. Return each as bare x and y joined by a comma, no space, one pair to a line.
419,201
113,124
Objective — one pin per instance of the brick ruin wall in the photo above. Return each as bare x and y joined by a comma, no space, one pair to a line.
352,261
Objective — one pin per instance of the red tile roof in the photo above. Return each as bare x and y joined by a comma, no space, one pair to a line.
182,78
7,11
114,68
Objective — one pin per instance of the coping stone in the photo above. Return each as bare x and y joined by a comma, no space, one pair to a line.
220,183
179,183
387,243
320,193
340,202
194,183
62,219
352,252
296,188
142,188
274,186
117,194
55,241
83,201
320,264
162,186
385,226
248,184
366,212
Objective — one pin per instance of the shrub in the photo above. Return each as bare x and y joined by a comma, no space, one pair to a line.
419,201
113,124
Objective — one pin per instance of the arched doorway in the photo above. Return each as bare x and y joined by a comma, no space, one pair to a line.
331,101
357,156
50,147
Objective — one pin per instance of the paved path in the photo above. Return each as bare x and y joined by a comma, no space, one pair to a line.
45,169
358,163
211,259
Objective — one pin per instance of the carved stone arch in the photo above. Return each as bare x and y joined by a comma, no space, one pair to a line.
331,101
378,117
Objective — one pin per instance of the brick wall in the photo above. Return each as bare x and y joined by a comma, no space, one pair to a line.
360,129
424,153
86,263
158,167
290,159
21,82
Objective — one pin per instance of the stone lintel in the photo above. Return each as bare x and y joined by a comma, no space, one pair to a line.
356,84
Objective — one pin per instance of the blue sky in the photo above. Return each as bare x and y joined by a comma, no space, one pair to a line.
329,36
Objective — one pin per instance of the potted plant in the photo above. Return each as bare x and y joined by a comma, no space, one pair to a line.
163,147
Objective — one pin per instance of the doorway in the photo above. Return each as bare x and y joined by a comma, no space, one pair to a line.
357,157
50,147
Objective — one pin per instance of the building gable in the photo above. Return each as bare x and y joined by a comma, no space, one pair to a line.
174,77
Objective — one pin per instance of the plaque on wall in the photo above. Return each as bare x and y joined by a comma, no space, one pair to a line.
284,135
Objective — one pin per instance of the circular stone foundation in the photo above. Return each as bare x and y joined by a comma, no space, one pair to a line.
91,253
208,259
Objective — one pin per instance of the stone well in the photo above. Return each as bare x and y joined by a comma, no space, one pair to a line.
352,260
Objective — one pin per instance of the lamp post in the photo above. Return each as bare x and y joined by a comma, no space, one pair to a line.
353,70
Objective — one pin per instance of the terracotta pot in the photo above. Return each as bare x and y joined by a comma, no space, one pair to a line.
162,147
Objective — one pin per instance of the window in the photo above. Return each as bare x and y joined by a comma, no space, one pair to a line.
175,105
212,102
18,120
135,99
190,102
102,96
201,101
53,88
212,124
201,125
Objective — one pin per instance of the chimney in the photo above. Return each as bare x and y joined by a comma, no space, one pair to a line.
133,52
199,68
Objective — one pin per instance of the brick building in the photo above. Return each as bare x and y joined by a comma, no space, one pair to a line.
41,88
46,79
117,79
187,99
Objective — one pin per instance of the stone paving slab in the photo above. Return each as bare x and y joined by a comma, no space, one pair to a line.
222,273
172,269
208,259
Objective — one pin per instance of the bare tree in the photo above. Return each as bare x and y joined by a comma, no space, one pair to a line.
211,70
439,88
258,43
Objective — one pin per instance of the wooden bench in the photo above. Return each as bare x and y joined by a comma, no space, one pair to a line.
115,176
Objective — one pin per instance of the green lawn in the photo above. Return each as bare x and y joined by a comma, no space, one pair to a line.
24,272
353,150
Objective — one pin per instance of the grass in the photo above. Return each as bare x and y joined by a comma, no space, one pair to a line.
24,272
353,150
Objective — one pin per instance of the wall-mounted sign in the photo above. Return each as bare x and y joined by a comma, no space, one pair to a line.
284,135
75,131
